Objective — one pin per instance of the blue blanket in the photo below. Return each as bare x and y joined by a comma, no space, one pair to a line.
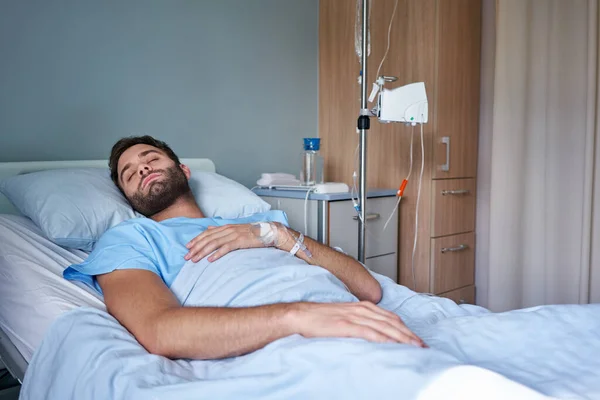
87,354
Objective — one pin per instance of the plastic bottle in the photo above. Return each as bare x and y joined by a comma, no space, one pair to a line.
312,163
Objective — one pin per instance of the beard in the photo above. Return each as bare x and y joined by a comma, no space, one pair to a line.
161,193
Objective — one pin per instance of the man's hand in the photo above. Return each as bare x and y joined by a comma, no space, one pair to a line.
358,320
142,302
223,239
227,238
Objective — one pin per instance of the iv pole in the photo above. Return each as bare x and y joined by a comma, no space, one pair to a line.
363,126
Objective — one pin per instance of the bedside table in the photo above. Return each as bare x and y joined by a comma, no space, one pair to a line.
332,220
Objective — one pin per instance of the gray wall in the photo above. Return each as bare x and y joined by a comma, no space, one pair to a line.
232,80
484,166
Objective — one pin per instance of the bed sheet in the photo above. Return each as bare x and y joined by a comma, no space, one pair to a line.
543,351
33,292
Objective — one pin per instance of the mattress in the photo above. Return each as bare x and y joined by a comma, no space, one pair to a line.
33,292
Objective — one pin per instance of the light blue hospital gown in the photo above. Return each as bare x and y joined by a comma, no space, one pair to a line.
142,243
241,278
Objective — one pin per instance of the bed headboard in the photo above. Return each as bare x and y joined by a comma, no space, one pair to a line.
17,168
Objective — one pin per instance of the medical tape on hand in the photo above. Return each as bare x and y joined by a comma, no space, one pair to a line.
267,233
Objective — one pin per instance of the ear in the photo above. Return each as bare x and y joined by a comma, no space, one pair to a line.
186,170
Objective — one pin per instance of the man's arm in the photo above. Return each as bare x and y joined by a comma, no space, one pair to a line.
142,303
226,238
358,280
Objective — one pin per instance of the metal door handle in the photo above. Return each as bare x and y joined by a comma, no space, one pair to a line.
368,217
460,247
446,167
456,191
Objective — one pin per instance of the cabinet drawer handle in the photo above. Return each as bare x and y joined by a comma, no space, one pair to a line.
457,248
462,301
368,217
446,167
455,192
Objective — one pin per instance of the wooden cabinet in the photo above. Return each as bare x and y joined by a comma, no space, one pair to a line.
436,42
457,104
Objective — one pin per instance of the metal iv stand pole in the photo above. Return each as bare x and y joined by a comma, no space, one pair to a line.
363,126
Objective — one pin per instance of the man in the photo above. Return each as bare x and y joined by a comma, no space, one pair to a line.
134,264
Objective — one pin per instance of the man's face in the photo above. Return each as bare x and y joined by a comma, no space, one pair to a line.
150,180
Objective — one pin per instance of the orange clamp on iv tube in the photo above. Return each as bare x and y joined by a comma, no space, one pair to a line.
400,192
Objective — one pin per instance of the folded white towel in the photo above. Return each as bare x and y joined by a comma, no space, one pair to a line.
277,182
277,175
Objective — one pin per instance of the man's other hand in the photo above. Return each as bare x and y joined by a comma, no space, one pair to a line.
222,240
362,320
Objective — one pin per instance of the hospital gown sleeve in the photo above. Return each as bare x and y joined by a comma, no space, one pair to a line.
125,246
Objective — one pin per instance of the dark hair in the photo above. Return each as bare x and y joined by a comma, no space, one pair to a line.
123,144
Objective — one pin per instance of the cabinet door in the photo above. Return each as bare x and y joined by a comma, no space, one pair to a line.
453,209
457,118
464,295
385,265
343,227
453,262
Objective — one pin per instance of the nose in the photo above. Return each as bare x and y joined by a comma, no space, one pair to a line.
144,169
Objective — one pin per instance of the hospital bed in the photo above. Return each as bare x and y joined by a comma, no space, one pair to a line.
474,353
17,346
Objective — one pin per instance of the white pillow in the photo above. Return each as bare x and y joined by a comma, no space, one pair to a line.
74,207
219,196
